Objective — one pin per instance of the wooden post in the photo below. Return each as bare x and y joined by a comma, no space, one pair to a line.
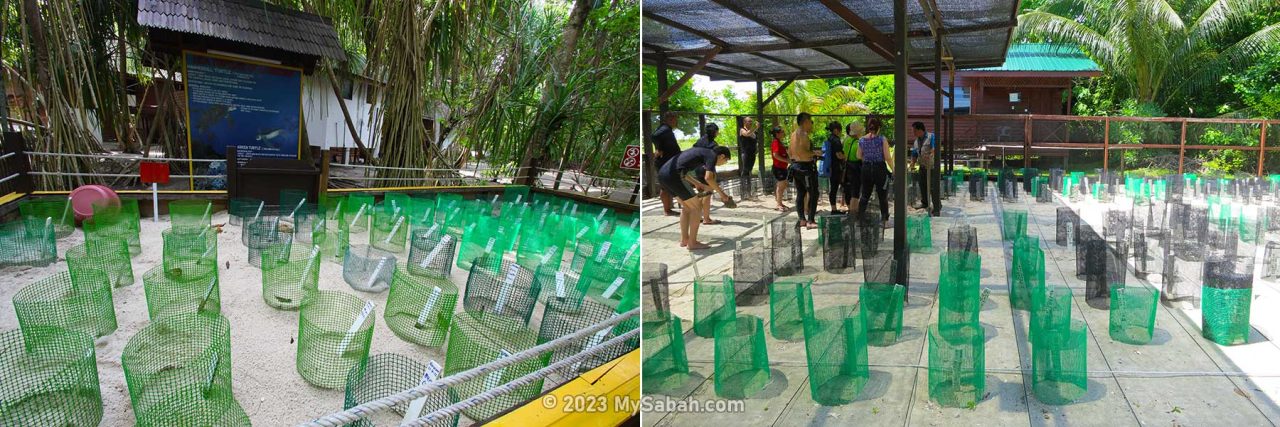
1182,146
1262,146
901,71
1026,142
763,145
324,175
1106,142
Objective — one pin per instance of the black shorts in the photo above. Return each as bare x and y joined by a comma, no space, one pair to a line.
676,185
780,174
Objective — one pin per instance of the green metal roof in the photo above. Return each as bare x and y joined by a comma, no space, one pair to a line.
1045,57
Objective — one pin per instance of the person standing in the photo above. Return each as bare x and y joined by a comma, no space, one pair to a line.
677,177
748,144
708,140
873,149
924,148
852,168
666,148
781,163
833,162
804,170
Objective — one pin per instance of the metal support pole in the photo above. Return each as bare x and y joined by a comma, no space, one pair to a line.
900,252
761,147
665,105
934,178
951,122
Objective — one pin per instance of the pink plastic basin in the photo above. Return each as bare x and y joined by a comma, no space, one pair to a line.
84,197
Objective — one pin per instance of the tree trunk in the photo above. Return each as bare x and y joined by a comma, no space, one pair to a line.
535,147
127,129
40,57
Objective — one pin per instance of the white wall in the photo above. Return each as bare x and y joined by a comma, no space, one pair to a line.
326,126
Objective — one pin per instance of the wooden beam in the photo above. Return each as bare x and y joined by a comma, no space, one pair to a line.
877,41
685,78
813,44
777,31
776,92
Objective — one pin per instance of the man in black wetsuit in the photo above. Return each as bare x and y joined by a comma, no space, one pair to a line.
665,148
677,177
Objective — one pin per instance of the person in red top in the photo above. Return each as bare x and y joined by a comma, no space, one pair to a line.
780,164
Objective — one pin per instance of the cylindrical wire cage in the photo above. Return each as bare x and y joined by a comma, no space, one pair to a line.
188,248
1227,299
28,242
537,247
1133,314
431,251
289,277
386,374
303,221
1050,310
194,290
508,290
357,212
333,243
837,237
334,334
713,304
835,341
665,365
919,233
264,235
56,211
420,308
390,228
50,378
79,302
753,271
958,289
178,370
962,238
1027,275
190,214
109,256
880,305
655,291
564,316
368,269
1059,368
244,209
1015,224
957,365
741,358
121,221
790,301
477,340
1271,261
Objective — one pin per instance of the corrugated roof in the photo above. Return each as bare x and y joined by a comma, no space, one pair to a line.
245,21
1045,57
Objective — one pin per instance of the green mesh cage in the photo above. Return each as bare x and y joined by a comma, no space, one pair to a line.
741,358
243,209
390,227
508,290
190,213
387,374
109,256
665,365
333,244
475,340
713,303
48,377
56,211
1059,369
193,290
188,248
1026,275
356,212
516,194
557,283
28,242
1015,224
431,251
957,371
334,209
1225,314
607,282
306,222
919,233
178,370
420,308
334,333
835,341
291,198
479,239
1050,310
1133,313
514,213
121,221
790,300
81,302
959,300
367,269
880,305
289,277
537,247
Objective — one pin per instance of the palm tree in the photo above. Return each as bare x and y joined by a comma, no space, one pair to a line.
1156,49
817,97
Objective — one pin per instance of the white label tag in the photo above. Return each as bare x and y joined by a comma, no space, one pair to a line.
426,308
433,229
394,229
601,215
511,274
635,223
204,219
488,247
259,213
415,407
294,213
604,250
574,211
315,252
494,378
518,197
594,341
613,287
360,212
436,251
582,232
559,284
630,252
376,272
546,256
213,371
355,327
495,200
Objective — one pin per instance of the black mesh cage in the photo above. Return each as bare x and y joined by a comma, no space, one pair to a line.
656,297
787,249
753,271
837,237
977,186
1195,233
386,374
1107,271
1055,179
1182,278
1087,243
870,236
1067,224
1139,247
1222,244
962,238
501,288
1116,227
1043,193
1271,261
1234,272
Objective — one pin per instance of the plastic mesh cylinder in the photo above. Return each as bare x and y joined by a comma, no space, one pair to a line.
1015,225
836,235
1027,273
178,370
1227,297
1133,314
836,350
57,211
537,247
919,233
1271,261
368,269
431,251
264,235
1050,310
50,378
333,244
116,222
357,210
241,209
790,300
655,290
387,374
880,305
474,342
957,365
28,242
1066,226
389,229
958,293
188,248
194,290
665,365
712,304
504,288
289,277
962,238
565,316
420,308
81,302
334,332
1059,368
741,358
190,214
109,256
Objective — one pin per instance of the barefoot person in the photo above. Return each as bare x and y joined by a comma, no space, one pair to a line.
748,145
677,177
665,148
873,149
833,164
708,140
804,171
780,165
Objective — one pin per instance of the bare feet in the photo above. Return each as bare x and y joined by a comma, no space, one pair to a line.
671,213
811,225
683,244
711,222
698,245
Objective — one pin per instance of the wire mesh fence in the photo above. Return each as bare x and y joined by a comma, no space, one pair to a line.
334,334
28,242
56,211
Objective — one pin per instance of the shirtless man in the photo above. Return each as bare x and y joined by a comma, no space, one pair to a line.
804,171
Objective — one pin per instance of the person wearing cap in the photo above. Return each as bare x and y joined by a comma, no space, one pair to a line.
923,149
833,160
665,148
677,176
804,170
781,163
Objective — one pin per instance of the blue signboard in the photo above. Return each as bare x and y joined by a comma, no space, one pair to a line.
255,107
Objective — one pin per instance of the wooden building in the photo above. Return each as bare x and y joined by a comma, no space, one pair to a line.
1033,80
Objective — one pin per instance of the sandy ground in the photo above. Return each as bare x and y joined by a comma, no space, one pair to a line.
263,339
